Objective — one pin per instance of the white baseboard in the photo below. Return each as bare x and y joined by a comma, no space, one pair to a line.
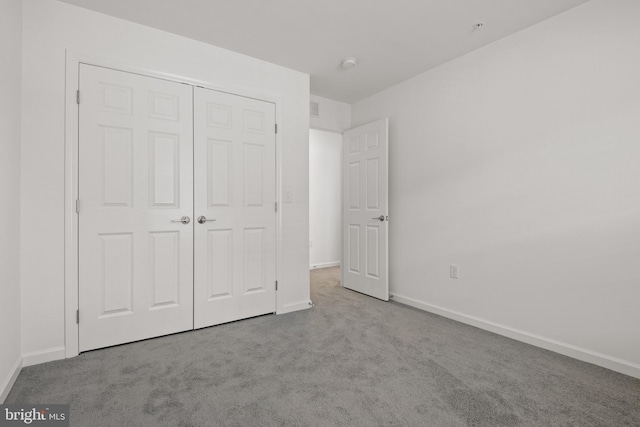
324,265
296,306
583,354
43,356
7,383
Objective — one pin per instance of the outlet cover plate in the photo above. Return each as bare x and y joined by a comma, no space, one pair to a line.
453,271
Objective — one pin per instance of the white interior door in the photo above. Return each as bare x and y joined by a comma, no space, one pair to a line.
235,195
135,180
365,189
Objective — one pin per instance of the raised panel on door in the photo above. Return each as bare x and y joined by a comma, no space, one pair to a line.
219,173
255,258
219,266
164,268
164,170
115,274
135,178
365,212
353,246
235,190
115,166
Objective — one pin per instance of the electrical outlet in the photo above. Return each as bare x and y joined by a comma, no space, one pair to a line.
288,196
453,271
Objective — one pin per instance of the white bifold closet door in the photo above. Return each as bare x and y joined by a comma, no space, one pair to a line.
235,206
144,181
135,157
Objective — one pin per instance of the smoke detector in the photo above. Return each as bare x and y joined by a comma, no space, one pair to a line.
349,62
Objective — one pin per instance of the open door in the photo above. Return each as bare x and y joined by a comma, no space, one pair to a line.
365,209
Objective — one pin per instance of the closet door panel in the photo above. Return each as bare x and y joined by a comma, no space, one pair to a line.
235,195
135,184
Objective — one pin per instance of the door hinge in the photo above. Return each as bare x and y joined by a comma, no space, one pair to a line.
276,206
78,97
78,316
276,128
276,285
77,206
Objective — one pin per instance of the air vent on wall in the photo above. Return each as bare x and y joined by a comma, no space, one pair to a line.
314,109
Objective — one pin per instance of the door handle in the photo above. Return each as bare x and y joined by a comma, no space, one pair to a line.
379,218
202,219
184,220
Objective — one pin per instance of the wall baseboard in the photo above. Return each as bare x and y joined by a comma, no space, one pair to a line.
583,354
324,265
7,383
296,306
43,356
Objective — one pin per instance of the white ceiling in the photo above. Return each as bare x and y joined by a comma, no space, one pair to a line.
393,39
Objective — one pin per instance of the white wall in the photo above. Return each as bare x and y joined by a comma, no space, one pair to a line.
334,115
10,101
521,163
325,198
51,27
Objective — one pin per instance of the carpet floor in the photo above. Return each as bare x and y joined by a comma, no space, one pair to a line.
349,361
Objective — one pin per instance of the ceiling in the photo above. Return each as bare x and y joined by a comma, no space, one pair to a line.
393,40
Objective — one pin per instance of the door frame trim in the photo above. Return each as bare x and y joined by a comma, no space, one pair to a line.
71,129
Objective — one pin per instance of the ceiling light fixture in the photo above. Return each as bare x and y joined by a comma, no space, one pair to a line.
349,62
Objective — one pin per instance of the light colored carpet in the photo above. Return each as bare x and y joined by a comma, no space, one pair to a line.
350,361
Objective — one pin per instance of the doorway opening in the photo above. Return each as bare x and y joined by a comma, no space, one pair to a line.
325,200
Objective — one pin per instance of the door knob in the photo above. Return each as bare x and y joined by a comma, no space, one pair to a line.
202,219
379,218
184,220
